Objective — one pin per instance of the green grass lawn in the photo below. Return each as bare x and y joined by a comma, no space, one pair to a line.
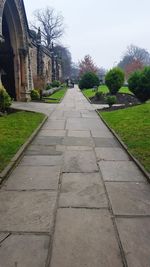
133,126
103,88
57,96
14,131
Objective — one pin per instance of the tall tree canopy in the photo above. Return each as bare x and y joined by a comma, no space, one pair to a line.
132,66
64,54
87,65
74,72
51,24
135,58
137,53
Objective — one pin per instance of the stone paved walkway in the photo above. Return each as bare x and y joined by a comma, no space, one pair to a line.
75,199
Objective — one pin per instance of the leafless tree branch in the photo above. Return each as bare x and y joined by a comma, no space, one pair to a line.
50,23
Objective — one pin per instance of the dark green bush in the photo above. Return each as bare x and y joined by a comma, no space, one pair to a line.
5,99
114,80
99,95
48,87
63,85
111,100
134,81
35,94
139,84
88,80
55,83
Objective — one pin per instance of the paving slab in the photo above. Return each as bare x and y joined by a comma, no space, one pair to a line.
48,140
79,148
57,114
79,133
83,105
84,238
79,161
33,177
121,171
82,190
83,123
129,198
52,133
24,251
42,150
89,114
109,153
60,148
63,148
78,141
134,234
54,125
41,161
66,108
103,132
45,108
72,114
105,142
27,211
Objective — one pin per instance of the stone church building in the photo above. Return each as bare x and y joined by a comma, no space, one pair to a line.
24,63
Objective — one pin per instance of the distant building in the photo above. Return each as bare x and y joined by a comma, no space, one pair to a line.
24,62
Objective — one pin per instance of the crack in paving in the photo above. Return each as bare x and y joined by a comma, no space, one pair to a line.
4,236
123,255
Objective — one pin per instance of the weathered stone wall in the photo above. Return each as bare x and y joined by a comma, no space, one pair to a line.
32,62
18,33
40,65
47,70
33,57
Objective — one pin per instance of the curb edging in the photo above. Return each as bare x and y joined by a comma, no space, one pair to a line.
88,99
63,96
17,157
138,164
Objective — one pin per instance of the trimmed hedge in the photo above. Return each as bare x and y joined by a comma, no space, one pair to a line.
5,99
114,80
88,80
139,84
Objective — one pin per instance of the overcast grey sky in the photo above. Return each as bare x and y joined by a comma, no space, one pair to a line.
101,28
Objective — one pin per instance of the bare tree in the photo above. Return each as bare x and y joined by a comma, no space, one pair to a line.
126,60
50,23
132,67
137,53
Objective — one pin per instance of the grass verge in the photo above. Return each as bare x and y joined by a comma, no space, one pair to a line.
104,89
15,129
56,97
133,127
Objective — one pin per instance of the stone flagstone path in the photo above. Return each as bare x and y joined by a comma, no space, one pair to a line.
75,199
